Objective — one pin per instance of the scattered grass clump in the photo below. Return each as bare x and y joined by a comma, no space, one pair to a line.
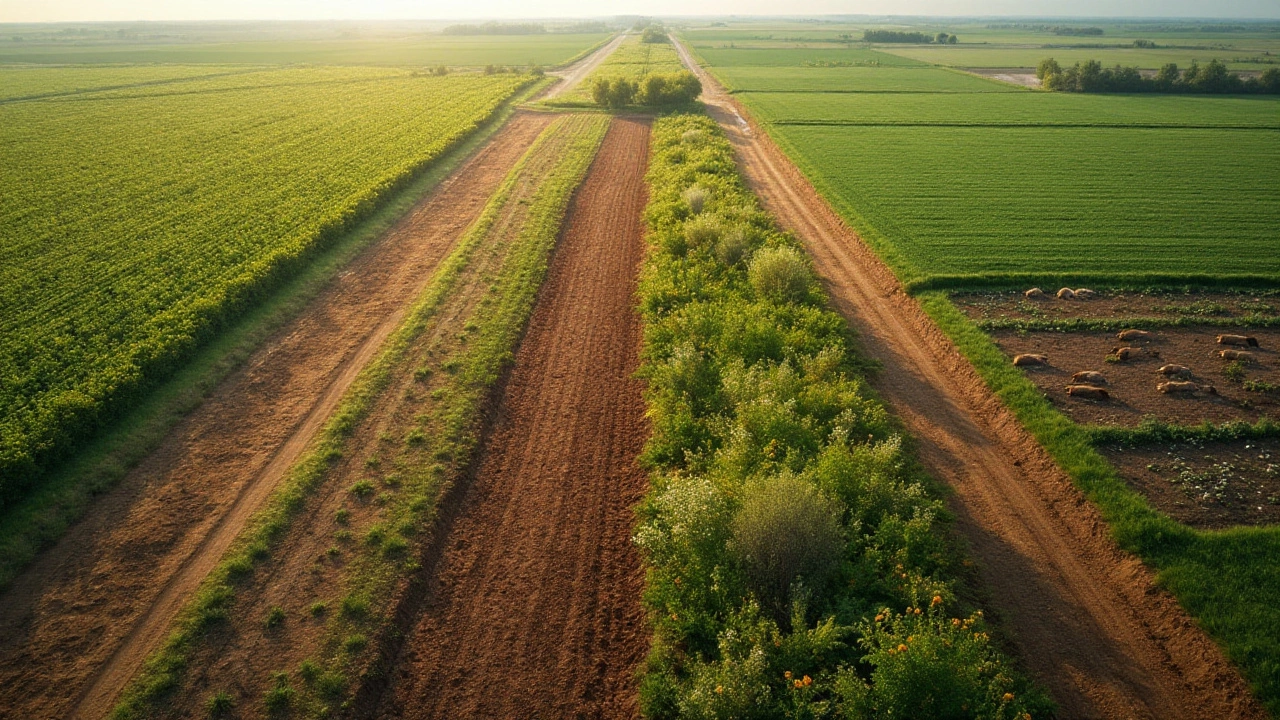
275,617
220,704
797,560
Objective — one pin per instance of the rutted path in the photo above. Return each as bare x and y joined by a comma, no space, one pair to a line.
533,607
574,74
80,621
1087,618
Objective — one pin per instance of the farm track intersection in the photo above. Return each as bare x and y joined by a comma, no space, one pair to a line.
1087,619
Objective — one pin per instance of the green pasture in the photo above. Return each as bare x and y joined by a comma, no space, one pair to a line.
721,57
1027,56
860,79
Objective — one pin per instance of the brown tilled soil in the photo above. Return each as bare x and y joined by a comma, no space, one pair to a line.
533,605
1207,485
1132,384
77,624
1119,306
1086,618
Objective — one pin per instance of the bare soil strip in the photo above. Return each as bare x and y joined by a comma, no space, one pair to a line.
1086,617
533,605
78,623
574,74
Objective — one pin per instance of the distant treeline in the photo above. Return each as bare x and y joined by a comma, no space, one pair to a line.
896,36
496,28
1055,29
1091,77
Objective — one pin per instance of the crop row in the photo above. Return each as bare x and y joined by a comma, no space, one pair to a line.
134,222
431,378
797,558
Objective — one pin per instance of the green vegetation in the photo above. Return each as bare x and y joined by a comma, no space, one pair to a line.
655,90
797,560
849,78
117,264
623,75
1091,77
370,573
65,493
898,36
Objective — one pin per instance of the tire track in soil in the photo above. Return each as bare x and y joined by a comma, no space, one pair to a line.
1087,618
77,624
532,606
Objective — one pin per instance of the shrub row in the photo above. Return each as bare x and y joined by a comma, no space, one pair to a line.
798,565
894,36
654,90
1091,77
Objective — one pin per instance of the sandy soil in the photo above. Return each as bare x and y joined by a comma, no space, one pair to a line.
574,74
1026,77
1086,618
1132,384
533,606
1207,485
77,624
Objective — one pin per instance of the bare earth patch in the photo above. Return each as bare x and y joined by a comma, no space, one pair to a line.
1207,485
1132,384
995,306
1026,77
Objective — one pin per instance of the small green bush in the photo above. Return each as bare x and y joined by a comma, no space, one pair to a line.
702,231
779,274
786,533
220,704
733,246
696,198
279,698
275,617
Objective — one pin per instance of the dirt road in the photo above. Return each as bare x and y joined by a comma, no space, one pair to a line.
78,623
533,608
574,74
1086,617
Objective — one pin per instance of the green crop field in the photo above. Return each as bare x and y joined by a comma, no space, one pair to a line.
133,221
980,56
956,185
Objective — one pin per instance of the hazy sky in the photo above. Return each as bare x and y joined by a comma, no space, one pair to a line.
57,10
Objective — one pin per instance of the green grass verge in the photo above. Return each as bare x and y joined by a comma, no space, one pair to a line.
1155,432
1116,324
481,364
1227,580
40,518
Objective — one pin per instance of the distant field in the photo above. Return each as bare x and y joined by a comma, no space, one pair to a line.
978,56
134,220
957,185
432,49
854,80
24,81
721,57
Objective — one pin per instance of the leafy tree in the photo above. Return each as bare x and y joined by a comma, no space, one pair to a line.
1047,68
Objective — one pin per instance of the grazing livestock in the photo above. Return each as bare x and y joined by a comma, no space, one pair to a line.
1128,353
1030,359
1248,340
1181,371
1131,335
1066,294
1185,388
1241,355
1088,391
1084,294
1090,377
1034,294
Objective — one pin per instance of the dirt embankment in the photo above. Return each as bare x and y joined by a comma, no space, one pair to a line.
78,623
1087,619
533,604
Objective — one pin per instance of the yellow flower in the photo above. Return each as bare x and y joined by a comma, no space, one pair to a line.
1008,697
719,689
798,684
937,600
902,648
879,618
955,622
787,674
808,681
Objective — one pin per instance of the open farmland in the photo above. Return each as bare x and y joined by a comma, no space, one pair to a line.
632,60
955,184
136,220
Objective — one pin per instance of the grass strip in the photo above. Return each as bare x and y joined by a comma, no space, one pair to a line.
62,497
483,363
1156,432
799,563
1226,579
1115,324
1139,282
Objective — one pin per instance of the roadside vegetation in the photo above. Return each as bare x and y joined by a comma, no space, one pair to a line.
799,563
638,73
1214,77
434,447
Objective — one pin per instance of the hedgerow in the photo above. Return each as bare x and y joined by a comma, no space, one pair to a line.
798,561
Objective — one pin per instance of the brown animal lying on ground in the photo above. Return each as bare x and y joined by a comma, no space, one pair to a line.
1238,340
1241,355
1066,294
1128,353
1034,294
1175,370
1133,335
1090,377
1029,359
1088,391
1185,388
1084,294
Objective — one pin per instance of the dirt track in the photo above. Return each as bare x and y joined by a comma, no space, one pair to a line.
533,608
77,624
574,74
1085,616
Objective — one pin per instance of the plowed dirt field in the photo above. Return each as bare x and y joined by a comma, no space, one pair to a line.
533,605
